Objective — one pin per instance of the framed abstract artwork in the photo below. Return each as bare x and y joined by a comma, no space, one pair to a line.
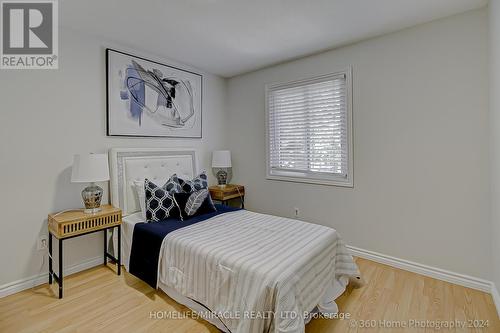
149,99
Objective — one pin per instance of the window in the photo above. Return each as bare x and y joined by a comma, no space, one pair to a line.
309,130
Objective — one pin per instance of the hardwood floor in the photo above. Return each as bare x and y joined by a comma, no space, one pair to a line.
97,300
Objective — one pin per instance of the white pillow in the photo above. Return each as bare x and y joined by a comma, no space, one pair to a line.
138,187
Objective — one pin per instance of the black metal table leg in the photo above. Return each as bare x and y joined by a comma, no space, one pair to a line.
60,278
115,259
119,250
105,246
50,258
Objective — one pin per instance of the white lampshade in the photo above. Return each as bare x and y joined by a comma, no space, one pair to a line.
89,168
221,159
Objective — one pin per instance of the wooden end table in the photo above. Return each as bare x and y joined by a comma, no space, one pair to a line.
74,223
230,191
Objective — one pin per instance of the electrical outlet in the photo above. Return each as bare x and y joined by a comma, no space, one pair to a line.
42,242
296,212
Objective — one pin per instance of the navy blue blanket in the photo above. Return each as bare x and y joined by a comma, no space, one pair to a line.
147,240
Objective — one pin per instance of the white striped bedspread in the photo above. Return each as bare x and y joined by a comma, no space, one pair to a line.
245,267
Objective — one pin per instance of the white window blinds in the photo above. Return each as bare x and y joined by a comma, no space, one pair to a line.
308,129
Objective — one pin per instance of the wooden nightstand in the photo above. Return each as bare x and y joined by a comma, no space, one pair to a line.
231,191
69,224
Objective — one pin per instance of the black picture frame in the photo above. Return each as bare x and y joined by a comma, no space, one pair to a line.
110,133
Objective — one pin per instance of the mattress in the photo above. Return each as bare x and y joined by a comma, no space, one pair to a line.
127,232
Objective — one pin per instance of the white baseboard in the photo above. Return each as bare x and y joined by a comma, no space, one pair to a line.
36,280
496,297
433,272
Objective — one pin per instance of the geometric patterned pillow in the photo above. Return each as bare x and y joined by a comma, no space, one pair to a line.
159,203
173,185
199,182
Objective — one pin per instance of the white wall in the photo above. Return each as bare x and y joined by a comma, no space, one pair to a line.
421,188
47,117
494,20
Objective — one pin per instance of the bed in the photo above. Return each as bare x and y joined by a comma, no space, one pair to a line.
243,271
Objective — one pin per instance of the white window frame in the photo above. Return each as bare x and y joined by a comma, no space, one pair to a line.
314,178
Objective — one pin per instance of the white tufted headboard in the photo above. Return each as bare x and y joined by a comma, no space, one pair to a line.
158,164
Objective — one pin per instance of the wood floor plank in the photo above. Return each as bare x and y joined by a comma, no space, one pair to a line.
97,300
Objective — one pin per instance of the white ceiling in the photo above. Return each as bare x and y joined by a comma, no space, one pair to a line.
230,37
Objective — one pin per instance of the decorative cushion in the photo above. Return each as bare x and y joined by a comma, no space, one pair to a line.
193,204
199,182
159,203
173,185
138,187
